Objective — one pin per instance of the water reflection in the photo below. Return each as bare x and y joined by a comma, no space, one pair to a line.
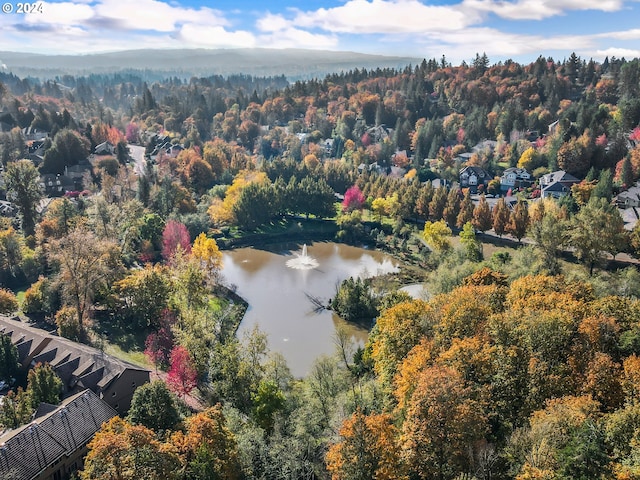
278,300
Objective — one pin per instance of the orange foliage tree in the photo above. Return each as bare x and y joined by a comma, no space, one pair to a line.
367,449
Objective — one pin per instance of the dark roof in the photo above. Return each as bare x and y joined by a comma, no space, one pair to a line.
480,172
28,450
556,187
559,176
79,366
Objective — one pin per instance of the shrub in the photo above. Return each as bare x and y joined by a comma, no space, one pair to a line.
68,323
8,301
41,297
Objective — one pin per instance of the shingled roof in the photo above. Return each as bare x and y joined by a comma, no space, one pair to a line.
27,451
79,366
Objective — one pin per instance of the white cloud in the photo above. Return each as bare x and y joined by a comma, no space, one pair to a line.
64,13
154,15
212,37
387,16
272,23
296,38
539,9
463,45
617,52
633,34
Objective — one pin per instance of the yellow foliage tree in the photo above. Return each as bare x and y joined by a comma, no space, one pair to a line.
221,211
437,234
206,251
528,158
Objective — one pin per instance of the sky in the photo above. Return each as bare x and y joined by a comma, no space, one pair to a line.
503,29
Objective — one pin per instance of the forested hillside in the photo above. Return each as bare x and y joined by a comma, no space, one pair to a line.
119,194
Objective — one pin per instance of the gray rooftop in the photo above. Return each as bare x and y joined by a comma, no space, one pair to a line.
28,450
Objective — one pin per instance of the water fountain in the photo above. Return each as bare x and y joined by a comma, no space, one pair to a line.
303,261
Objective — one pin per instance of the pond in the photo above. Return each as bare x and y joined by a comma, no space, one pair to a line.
278,295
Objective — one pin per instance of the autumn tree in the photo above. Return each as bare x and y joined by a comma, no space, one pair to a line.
121,451
378,207
482,215
353,199
398,329
175,235
548,229
22,182
86,263
367,449
443,421
573,156
466,210
205,251
182,376
438,203
221,210
452,208
597,228
500,217
208,449
437,235
159,344
8,302
519,220
144,294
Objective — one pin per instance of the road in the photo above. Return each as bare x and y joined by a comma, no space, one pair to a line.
137,154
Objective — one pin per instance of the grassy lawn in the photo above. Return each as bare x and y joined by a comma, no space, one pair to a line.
20,295
136,357
122,343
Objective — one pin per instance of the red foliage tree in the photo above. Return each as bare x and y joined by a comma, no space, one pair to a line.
175,235
182,377
353,199
158,345
131,133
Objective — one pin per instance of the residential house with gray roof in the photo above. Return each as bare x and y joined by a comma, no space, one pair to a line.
79,366
53,445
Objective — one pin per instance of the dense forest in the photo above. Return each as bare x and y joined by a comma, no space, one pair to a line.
521,365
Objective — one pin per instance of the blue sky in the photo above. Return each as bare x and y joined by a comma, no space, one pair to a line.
516,29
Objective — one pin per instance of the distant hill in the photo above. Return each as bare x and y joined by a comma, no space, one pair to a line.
293,63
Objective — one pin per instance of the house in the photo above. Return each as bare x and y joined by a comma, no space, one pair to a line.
464,157
8,209
56,185
514,178
105,148
556,184
168,149
629,198
485,146
34,134
54,444
441,182
379,133
327,145
374,168
78,366
471,177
